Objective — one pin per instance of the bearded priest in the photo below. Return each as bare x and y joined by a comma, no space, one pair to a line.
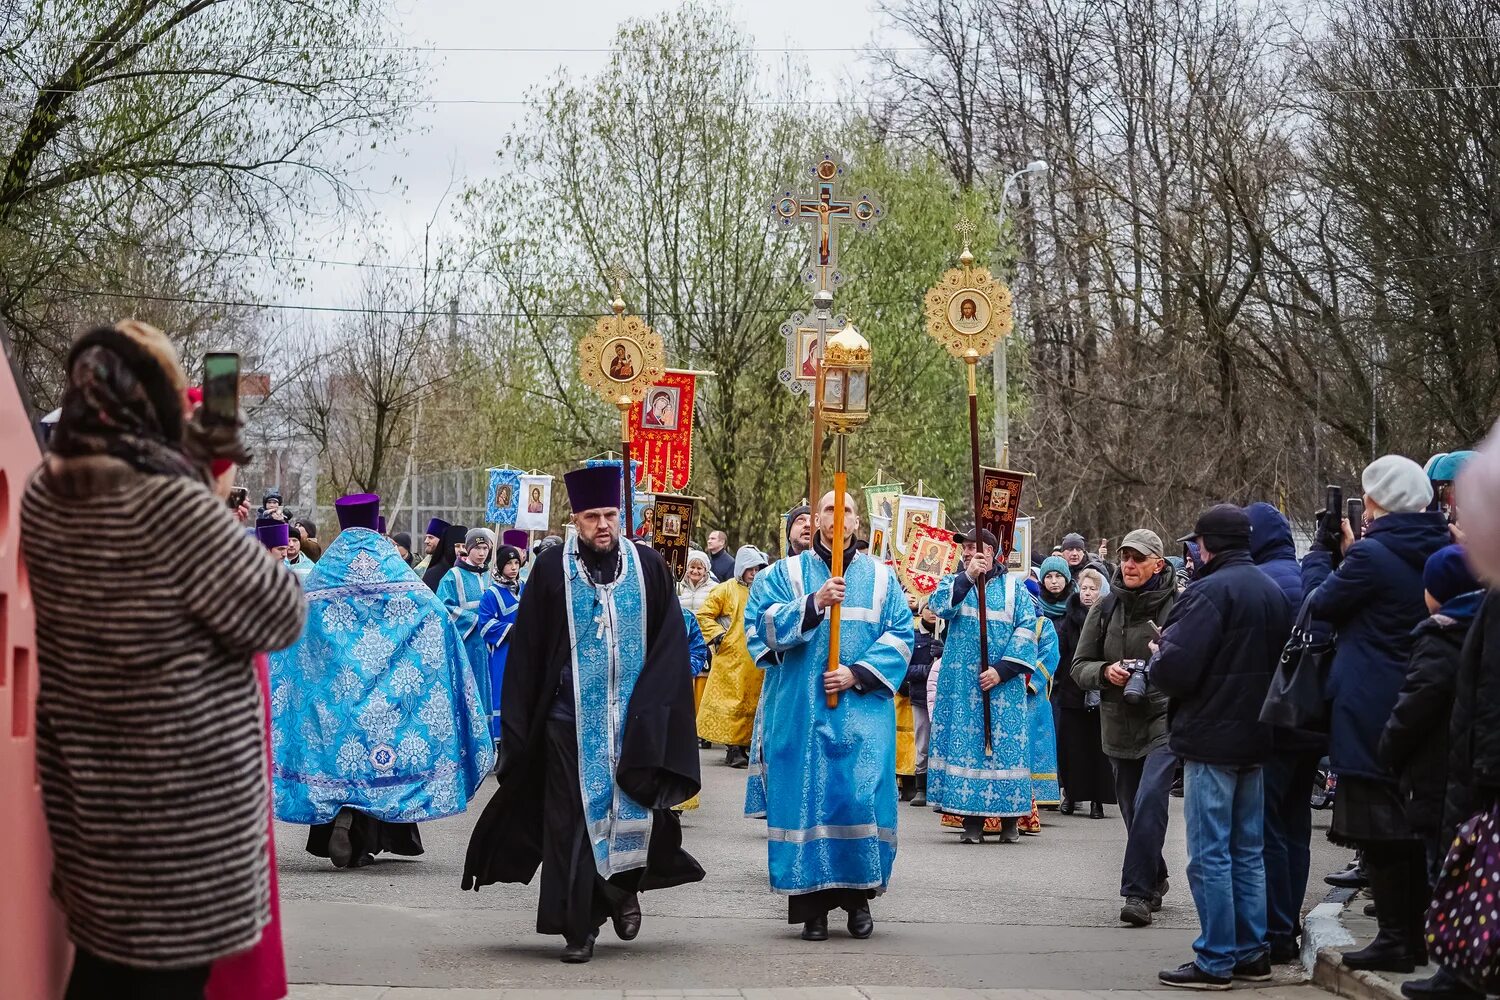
599,741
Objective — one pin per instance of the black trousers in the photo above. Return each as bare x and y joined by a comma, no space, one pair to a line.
1144,788
368,835
95,978
811,905
574,899
1288,783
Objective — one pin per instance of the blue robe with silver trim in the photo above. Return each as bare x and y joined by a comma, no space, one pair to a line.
755,773
376,706
1041,730
961,778
829,772
497,617
461,590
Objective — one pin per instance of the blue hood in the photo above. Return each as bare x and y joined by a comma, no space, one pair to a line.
1413,536
1270,534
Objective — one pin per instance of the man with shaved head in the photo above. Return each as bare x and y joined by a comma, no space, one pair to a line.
831,820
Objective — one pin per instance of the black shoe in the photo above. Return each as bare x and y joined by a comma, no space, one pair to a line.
1285,952
908,786
1159,895
362,861
737,757
578,954
816,929
1441,985
1096,810
973,831
1066,806
1136,912
1188,976
1387,953
340,850
1257,970
1177,794
627,919
1349,878
861,924
705,745
1370,910
920,798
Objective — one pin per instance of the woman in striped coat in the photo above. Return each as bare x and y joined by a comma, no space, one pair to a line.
150,726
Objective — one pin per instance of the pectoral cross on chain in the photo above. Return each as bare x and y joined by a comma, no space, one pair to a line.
824,210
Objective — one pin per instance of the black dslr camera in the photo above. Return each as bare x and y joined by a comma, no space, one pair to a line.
1140,680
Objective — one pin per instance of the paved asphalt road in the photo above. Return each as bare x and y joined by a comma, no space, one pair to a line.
1041,914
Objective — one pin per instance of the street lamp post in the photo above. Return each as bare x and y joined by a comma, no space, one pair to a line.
1002,392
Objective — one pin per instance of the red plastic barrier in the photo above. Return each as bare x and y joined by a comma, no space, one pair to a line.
34,952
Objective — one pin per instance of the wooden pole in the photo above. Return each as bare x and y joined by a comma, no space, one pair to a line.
981,588
840,484
626,483
815,463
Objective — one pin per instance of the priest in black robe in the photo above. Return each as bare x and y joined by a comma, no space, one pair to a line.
599,739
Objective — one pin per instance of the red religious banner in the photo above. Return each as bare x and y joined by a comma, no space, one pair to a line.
931,554
661,434
1000,502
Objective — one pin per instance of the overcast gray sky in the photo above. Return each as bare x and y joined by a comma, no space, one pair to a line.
459,140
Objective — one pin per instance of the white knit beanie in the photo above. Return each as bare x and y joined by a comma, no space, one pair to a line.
1397,484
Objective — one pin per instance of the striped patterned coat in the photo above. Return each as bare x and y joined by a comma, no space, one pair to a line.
150,727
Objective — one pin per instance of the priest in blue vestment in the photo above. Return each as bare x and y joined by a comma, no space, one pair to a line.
376,719
830,772
1041,731
497,618
963,777
599,740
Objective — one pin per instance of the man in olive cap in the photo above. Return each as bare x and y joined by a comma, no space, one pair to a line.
1113,647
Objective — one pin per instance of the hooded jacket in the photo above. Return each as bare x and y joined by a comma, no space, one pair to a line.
1273,550
1415,742
1217,653
1117,628
1373,601
1474,733
692,597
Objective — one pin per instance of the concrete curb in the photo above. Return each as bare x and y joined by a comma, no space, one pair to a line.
1323,941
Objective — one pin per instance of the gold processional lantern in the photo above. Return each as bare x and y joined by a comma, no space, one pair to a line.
846,381
845,373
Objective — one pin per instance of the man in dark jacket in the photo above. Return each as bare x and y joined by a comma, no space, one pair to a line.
1293,762
1214,661
1118,631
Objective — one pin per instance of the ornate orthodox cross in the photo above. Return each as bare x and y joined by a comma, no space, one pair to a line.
824,211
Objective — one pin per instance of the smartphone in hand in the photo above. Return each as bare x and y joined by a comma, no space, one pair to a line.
237,497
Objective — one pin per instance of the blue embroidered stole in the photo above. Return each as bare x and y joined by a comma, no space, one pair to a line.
607,626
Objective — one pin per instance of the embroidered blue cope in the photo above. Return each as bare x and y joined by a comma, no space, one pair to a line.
375,707
961,778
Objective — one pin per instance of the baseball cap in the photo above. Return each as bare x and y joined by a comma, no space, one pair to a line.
984,534
1222,520
1146,542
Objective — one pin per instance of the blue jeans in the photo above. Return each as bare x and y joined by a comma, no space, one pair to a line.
1224,809
1288,781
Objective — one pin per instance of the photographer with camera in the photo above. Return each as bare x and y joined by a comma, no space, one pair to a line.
1370,592
1214,661
1110,658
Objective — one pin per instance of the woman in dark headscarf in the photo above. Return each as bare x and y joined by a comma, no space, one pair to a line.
446,556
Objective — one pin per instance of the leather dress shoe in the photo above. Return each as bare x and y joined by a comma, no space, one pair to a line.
627,919
1066,806
577,954
1096,810
340,849
861,924
816,929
